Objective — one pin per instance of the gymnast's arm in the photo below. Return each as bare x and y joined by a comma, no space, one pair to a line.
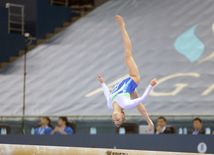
140,106
105,88
137,101
142,110
105,91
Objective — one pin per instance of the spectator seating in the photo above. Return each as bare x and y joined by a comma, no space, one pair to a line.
131,128
73,126
7,128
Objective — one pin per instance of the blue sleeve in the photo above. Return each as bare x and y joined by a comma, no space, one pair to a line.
36,132
69,130
48,131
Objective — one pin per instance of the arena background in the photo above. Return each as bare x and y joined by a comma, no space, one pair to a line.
172,40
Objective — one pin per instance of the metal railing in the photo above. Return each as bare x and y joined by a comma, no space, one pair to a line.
74,5
20,18
130,115
107,117
65,3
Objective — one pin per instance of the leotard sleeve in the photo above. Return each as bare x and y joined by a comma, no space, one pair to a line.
135,102
106,91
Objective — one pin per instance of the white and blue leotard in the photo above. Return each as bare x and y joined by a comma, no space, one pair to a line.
121,94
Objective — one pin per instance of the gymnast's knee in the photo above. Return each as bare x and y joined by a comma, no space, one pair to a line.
128,54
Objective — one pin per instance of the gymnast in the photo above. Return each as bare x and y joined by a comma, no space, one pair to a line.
119,98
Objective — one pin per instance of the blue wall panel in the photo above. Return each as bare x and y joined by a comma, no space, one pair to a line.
50,17
40,18
30,13
167,142
3,20
10,44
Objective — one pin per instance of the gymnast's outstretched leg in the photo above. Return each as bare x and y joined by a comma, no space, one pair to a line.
130,63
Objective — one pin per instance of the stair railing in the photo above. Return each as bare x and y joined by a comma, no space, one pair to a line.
65,3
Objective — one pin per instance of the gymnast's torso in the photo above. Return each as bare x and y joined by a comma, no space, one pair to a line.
121,94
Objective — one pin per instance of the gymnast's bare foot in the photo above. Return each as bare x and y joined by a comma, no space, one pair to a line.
120,20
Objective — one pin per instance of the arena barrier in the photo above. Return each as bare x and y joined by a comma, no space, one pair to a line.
6,149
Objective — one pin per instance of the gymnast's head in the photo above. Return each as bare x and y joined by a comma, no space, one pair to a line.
118,118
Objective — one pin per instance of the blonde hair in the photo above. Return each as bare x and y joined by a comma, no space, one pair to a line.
123,120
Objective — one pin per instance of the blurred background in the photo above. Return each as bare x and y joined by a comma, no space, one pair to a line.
51,51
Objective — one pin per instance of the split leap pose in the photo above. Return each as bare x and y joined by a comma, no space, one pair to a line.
120,98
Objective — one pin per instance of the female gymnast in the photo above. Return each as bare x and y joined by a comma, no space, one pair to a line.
119,98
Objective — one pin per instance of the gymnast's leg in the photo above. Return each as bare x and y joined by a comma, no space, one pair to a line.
142,110
130,63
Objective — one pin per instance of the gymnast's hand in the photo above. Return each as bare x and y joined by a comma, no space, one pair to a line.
153,82
100,78
151,126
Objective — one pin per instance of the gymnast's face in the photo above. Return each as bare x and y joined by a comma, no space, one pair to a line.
117,118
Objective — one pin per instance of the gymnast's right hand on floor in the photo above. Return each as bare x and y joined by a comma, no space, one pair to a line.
100,78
